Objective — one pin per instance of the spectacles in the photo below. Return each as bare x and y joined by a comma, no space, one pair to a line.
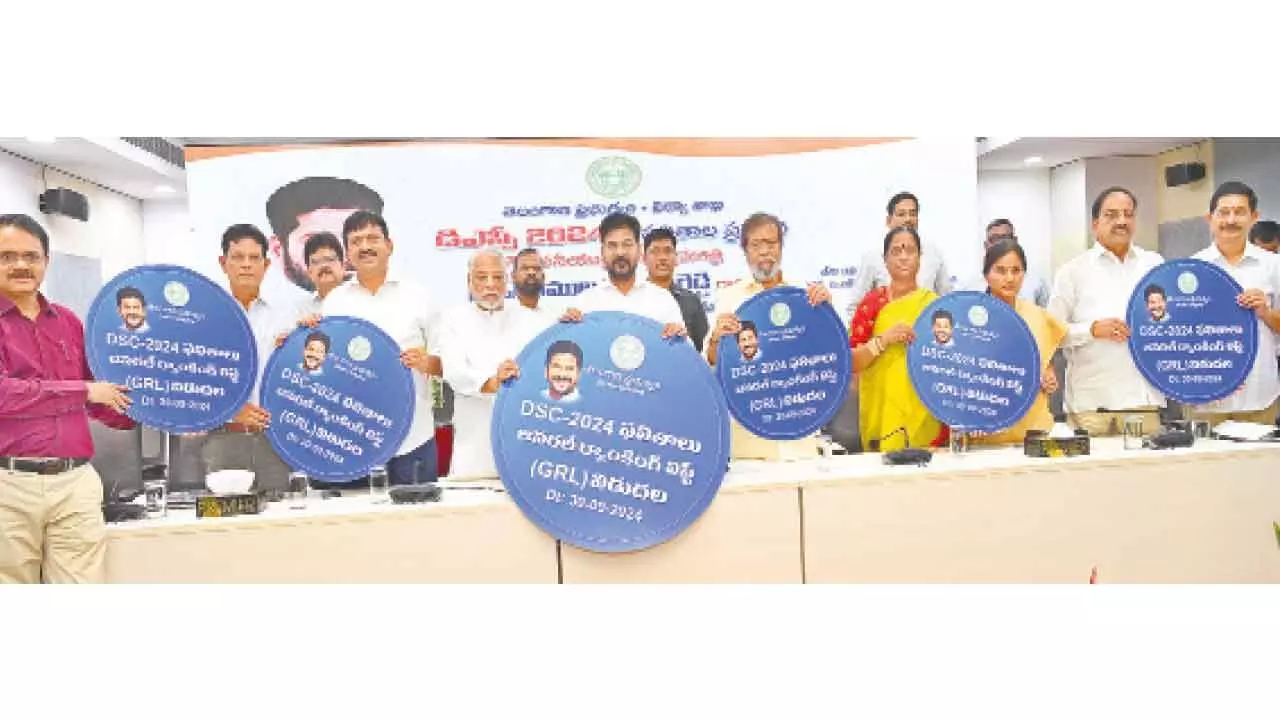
9,258
764,244
324,260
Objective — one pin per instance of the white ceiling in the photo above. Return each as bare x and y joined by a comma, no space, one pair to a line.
1011,153
110,162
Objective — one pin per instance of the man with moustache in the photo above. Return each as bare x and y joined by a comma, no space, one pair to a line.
51,523
660,261
1233,209
405,311
132,307
1091,295
307,207
748,340
314,352
528,279
563,370
620,255
479,343
762,241
242,443
903,211
326,268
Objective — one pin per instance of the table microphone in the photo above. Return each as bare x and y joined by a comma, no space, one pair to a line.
905,456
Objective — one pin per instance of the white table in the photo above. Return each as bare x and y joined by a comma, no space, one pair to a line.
471,536
1201,514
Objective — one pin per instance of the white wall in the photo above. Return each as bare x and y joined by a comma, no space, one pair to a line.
112,234
166,227
1139,175
1023,197
1070,212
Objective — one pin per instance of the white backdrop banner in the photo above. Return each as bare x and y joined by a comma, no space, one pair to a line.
443,200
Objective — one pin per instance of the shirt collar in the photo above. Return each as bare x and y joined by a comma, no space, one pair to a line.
1100,251
638,287
46,307
1251,252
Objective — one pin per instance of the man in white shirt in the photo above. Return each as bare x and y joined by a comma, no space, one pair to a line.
480,341
1034,286
1233,209
620,256
326,267
405,311
242,443
903,211
762,244
1091,295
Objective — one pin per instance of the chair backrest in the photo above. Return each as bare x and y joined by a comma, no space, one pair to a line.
186,469
118,459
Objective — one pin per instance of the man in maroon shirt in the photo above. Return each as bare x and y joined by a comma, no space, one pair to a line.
51,524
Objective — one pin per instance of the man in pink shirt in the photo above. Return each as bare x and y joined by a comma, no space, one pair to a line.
51,524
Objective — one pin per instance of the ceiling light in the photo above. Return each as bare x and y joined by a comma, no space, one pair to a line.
43,140
165,189
1033,160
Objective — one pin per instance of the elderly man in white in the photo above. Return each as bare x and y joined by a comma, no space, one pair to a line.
762,239
480,341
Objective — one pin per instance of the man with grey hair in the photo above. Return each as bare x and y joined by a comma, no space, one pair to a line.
480,341
762,244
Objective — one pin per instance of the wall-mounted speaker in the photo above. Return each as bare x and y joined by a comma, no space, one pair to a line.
61,201
1184,173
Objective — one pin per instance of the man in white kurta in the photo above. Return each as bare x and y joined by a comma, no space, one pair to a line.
480,341
620,254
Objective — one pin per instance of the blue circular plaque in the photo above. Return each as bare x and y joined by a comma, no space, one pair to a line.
787,371
974,363
340,399
1188,336
612,438
180,342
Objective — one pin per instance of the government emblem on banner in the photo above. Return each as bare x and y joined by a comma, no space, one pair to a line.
613,177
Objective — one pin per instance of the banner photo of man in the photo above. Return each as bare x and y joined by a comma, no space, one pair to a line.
179,341
449,199
612,438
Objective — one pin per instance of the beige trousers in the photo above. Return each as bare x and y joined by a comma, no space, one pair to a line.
1109,424
51,527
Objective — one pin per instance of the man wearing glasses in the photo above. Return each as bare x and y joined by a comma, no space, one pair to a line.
762,244
51,524
1035,287
326,267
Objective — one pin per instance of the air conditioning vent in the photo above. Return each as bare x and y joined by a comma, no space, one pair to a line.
159,147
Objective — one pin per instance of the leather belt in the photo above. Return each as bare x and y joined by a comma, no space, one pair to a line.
41,466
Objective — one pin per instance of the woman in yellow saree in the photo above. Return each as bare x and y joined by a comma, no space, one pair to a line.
1005,267
890,414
